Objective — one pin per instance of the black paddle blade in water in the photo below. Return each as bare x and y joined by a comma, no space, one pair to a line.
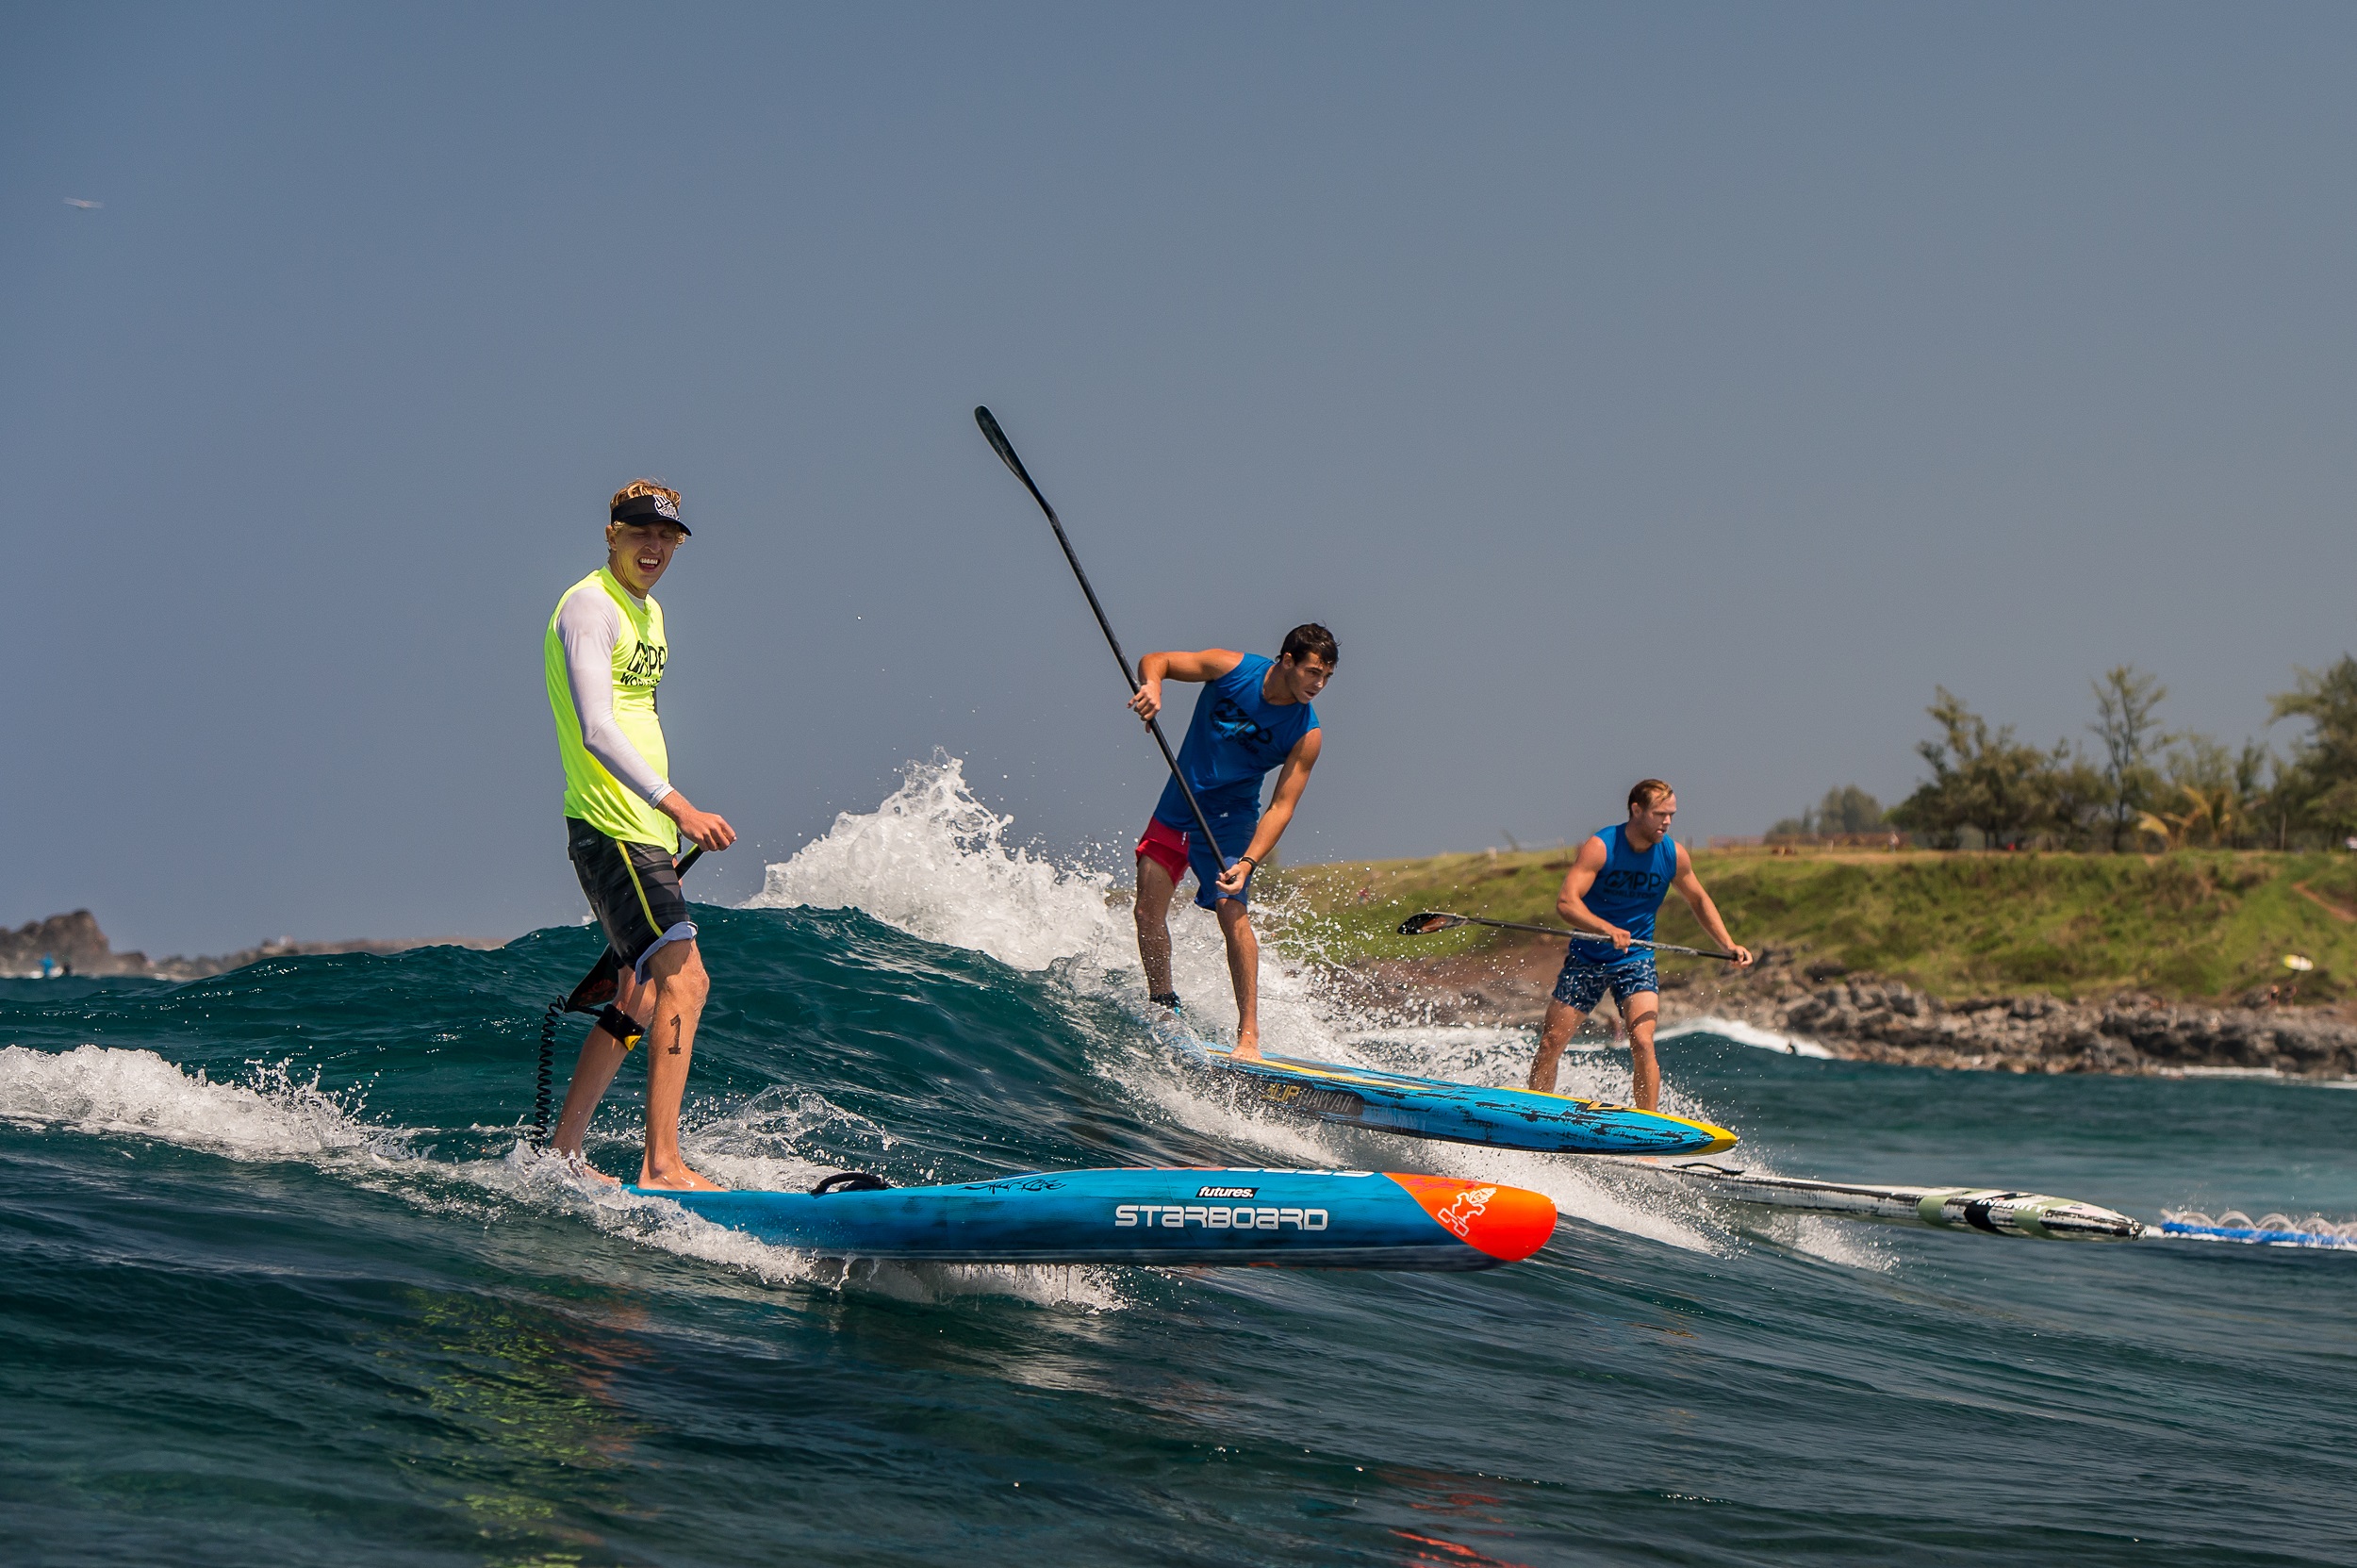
1429,922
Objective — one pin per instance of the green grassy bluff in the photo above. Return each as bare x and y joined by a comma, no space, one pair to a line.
2187,926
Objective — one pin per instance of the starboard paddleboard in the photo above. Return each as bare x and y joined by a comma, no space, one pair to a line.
1459,1112
1271,1218
1996,1210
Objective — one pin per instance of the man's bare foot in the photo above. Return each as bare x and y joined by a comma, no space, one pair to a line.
578,1166
1247,1049
676,1179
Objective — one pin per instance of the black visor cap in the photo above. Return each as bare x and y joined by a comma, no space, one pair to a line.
648,508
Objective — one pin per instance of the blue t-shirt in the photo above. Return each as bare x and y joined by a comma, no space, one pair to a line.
1627,892
1235,738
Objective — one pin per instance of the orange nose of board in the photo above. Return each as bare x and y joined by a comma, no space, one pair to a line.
1507,1223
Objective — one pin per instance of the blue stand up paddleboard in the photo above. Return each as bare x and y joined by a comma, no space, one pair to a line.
1459,1112
1270,1218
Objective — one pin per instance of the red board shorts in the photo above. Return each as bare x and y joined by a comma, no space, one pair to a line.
1177,852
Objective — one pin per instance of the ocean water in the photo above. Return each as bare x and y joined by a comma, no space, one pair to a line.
277,1284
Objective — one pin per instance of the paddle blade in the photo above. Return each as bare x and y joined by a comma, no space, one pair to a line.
598,986
1429,922
999,444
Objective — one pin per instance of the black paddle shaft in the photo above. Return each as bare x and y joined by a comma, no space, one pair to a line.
1005,449
1441,919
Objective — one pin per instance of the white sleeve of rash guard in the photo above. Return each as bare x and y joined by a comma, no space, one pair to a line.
589,626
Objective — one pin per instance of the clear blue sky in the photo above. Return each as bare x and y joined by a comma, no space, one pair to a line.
1656,389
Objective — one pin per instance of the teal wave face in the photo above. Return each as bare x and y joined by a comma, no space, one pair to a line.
275,1286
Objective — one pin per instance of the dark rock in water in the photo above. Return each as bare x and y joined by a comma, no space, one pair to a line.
73,942
76,946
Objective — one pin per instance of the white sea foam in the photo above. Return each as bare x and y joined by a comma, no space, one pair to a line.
1745,1035
761,1145
97,1089
273,1116
1843,1242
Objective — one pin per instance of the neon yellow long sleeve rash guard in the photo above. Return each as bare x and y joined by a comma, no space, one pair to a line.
603,656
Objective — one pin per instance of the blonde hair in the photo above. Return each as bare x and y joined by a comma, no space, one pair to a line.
1647,793
637,487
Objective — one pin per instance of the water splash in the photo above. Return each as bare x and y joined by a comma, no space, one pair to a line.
1744,1034
933,861
273,1115
2276,1229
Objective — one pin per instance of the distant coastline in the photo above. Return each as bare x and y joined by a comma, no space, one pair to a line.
76,946
2022,962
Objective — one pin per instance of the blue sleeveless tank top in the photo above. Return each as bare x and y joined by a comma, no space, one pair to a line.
1235,738
1628,892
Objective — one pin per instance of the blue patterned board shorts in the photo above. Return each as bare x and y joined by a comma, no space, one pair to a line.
1581,984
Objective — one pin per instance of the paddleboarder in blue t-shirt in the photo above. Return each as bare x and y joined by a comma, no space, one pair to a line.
1615,885
1254,715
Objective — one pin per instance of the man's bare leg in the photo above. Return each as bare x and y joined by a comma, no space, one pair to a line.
601,1058
1243,967
1152,909
679,987
1643,1010
1562,1023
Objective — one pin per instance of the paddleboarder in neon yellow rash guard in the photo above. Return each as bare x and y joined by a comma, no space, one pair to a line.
1254,715
603,655
1615,885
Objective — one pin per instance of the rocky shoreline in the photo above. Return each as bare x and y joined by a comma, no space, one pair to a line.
77,946
1864,1017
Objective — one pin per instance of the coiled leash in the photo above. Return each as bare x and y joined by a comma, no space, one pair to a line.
595,995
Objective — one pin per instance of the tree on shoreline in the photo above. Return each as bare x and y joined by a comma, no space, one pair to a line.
2126,701
1848,810
2320,788
2002,793
1984,781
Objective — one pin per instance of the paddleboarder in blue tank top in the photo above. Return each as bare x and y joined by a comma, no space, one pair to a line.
1254,715
1615,885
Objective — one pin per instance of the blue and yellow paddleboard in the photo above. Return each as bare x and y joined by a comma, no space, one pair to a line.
1459,1112
1264,1219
